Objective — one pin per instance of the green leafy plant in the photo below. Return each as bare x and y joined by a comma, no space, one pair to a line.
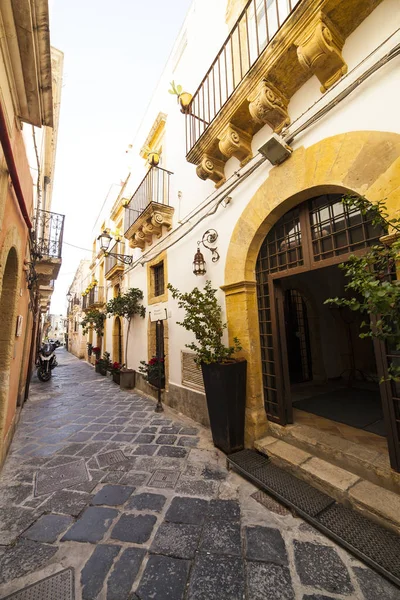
127,305
372,288
93,320
204,318
175,89
153,370
115,367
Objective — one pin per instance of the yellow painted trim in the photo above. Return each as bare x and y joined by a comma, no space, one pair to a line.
151,298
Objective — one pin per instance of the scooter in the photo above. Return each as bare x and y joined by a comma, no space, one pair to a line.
46,361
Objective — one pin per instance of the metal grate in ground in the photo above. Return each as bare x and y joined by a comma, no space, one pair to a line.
56,587
370,542
283,485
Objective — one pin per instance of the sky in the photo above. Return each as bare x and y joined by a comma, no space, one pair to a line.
114,54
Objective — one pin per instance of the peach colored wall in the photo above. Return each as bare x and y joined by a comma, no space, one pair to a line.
12,218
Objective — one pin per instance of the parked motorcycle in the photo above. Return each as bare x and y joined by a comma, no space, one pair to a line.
46,361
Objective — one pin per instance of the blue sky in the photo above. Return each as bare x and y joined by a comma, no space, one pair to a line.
114,53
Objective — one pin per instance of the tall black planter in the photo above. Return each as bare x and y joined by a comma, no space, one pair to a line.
225,386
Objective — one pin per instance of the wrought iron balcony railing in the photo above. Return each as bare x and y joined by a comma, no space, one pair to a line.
49,230
96,296
154,187
85,300
256,26
112,261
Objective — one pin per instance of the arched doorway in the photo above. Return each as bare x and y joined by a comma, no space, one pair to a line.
8,301
117,341
326,370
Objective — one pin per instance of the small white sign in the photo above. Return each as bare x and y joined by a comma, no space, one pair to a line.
158,312
18,330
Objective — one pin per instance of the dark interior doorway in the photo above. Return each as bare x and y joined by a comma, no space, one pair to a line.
332,371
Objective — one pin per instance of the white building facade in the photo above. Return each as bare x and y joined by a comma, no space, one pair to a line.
293,105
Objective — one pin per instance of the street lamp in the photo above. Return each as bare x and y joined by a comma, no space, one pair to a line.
69,296
105,240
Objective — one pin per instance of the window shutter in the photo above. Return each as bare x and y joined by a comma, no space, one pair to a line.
191,374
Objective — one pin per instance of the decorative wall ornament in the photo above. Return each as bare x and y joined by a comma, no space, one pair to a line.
235,142
211,168
269,105
319,51
150,225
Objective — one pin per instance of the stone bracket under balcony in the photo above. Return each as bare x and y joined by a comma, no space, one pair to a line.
47,269
149,225
308,43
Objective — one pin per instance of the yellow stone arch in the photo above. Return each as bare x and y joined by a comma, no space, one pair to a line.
365,162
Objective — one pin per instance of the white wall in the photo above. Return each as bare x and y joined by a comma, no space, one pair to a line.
373,106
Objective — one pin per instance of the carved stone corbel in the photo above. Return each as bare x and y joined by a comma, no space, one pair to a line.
136,242
235,142
161,219
149,228
319,51
211,168
268,105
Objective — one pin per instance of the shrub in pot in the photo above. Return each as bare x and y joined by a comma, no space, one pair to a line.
224,377
115,370
154,372
127,305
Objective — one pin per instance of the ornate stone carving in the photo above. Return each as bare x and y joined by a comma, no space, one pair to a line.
319,51
268,105
211,168
149,225
235,142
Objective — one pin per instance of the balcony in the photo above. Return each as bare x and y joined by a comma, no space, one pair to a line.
96,297
85,300
274,47
148,211
47,247
112,265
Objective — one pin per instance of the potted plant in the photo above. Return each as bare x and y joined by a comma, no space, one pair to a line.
372,288
96,350
115,369
127,305
224,377
154,372
184,98
104,363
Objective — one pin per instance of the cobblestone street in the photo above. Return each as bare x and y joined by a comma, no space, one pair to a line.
126,503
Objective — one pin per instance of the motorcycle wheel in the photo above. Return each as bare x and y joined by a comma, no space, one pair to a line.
43,375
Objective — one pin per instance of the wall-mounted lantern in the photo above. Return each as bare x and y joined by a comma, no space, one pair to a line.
199,264
105,240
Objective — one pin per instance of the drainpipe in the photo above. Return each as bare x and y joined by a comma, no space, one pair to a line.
12,169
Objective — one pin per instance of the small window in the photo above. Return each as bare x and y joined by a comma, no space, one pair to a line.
158,273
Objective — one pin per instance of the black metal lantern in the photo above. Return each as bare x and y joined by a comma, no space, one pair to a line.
69,296
104,239
199,264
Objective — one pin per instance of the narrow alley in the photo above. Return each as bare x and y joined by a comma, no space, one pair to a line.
102,498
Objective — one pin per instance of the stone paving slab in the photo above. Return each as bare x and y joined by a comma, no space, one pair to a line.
158,516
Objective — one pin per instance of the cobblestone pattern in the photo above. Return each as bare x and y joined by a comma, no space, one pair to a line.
162,518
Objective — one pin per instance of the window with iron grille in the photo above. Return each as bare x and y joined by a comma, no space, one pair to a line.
158,273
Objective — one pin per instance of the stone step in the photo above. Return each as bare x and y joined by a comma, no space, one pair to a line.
376,503
365,462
